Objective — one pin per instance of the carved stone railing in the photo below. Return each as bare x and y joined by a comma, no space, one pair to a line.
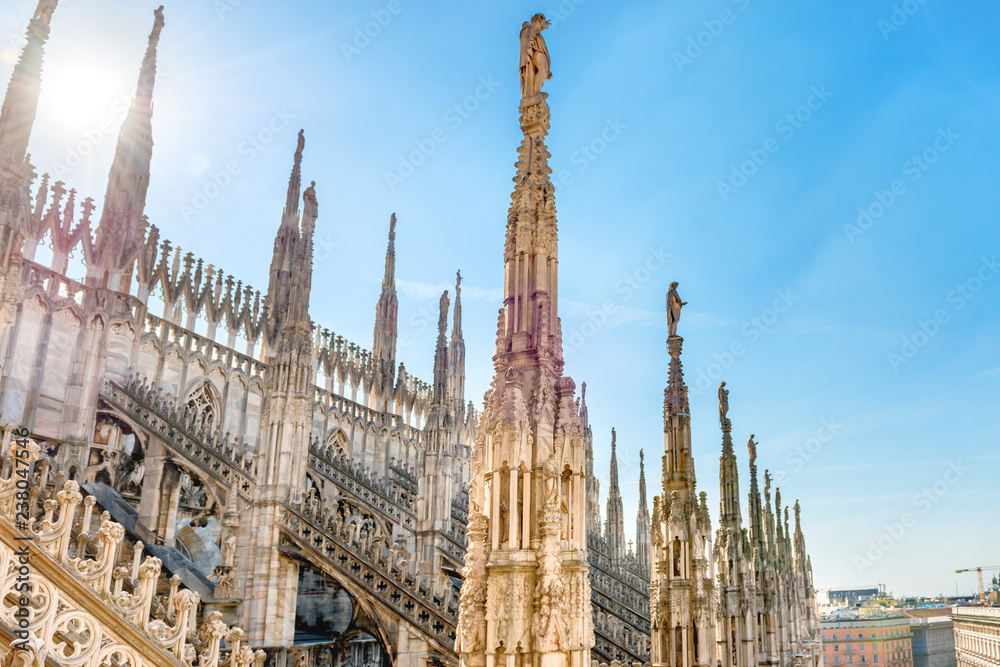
211,451
386,496
619,594
350,365
387,573
455,542
169,333
58,288
82,588
460,508
403,477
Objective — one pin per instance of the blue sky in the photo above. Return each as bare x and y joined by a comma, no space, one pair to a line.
875,381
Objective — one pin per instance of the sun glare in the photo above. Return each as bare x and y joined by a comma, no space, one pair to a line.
86,95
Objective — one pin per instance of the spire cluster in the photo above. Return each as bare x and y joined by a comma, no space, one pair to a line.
750,604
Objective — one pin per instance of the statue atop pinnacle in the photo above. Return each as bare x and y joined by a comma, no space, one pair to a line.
674,305
45,10
534,62
723,403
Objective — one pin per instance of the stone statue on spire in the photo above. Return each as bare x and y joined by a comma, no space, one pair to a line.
752,446
723,402
154,36
301,146
392,226
45,9
309,197
534,61
443,315
674,305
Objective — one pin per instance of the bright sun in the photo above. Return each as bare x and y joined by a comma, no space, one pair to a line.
87,94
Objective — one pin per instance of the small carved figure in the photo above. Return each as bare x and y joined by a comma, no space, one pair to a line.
550,478
723,402
504,484
229,551
674,305
534,63
44,10
309,199
130,479
752,446
157,24
101,471
474,504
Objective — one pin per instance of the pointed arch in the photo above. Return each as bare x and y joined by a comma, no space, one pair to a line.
204,399
339,444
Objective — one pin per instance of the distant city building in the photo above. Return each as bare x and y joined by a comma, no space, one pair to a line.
885,642
933,637
977,636
852,596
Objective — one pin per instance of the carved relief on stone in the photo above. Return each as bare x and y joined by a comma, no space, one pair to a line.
471,631
123,329
549,625
497,609
67,316
35,303
543,401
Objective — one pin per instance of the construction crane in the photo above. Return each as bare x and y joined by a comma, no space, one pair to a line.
979,571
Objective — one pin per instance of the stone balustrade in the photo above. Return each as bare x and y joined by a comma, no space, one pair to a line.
91,601
387,571
202,443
